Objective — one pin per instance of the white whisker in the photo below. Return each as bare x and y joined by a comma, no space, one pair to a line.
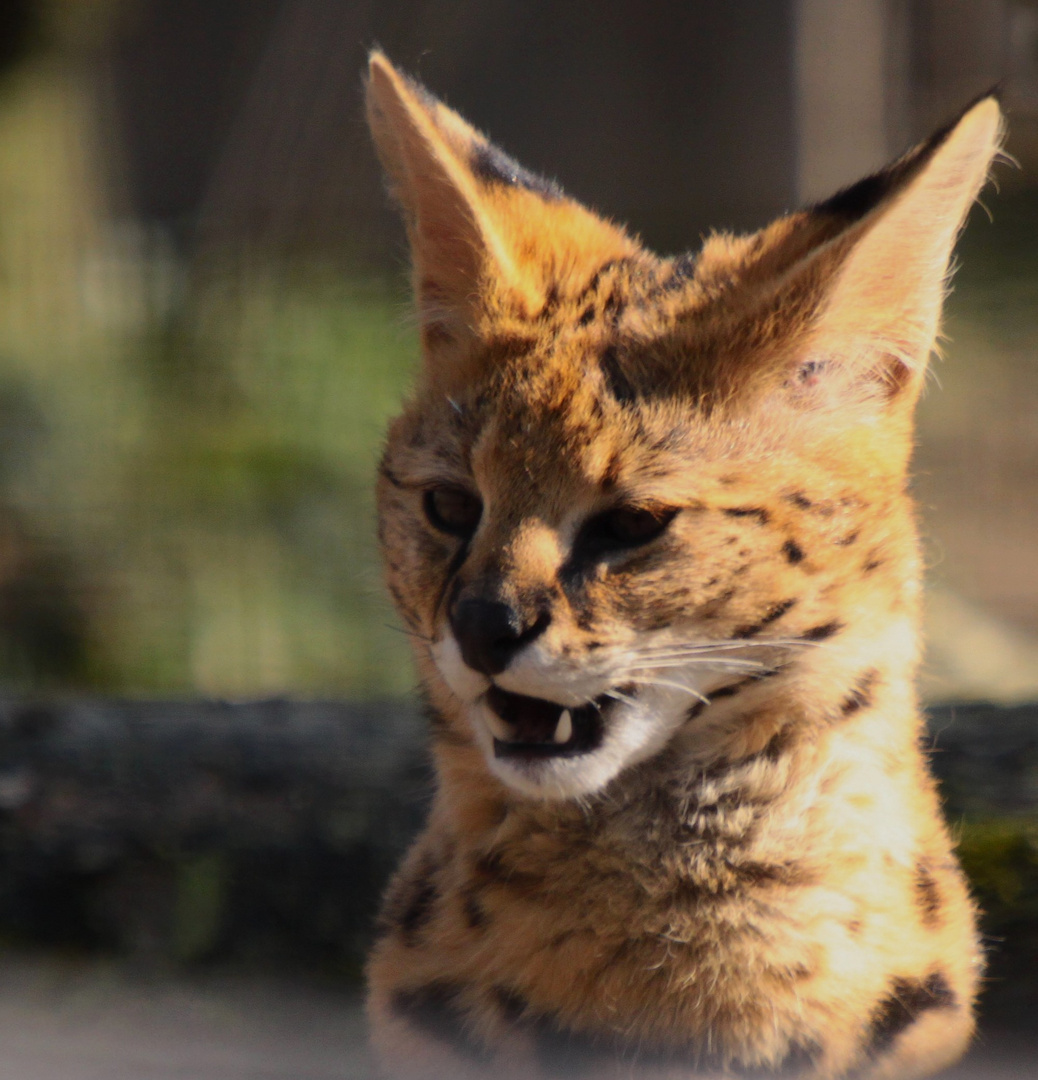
673,686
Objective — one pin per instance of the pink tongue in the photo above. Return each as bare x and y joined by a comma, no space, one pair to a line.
532,720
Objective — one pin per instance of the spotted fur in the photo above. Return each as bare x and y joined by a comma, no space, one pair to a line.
646,522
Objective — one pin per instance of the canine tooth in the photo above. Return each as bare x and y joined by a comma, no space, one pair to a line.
564,728
498,727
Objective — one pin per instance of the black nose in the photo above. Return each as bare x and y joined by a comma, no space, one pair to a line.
489,632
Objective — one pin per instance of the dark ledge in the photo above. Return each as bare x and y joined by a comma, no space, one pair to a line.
263,832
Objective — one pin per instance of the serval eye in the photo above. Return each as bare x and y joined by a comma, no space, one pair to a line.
453,510
626,526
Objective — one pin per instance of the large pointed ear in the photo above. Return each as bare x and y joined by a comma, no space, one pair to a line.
882,310
851,289
484,231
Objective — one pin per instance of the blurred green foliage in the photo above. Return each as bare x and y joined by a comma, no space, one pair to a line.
1000,857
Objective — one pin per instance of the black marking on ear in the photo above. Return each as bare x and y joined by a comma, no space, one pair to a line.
860,696
758,512
773,614
821,633
617,382
494,166
436,1011
927,895
852,203
793,551
907,1000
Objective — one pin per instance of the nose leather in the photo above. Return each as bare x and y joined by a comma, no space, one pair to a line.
490,632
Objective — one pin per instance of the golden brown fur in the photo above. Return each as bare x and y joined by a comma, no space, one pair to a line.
673,489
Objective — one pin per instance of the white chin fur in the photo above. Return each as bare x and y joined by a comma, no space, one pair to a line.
634,731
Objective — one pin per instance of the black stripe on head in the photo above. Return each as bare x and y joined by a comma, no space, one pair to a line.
615,379
494,166
758,512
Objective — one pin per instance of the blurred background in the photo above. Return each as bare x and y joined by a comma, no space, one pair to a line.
204,325
204,321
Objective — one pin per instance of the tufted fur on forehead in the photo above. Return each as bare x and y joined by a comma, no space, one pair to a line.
832,310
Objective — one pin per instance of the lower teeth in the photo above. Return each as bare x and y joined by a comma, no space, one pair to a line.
564,728
498,728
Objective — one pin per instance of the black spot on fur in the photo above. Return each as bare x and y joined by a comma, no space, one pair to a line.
512,1004
927,895
729,691
565,1053
907,1001
773,614
820,633
695,710
614,306
587,315
850,538
793,552
761,873
682,271
871,564
411,904
713,607
799,499
476,917
619,385
758,512
494,166
436,1011
491,865
860,696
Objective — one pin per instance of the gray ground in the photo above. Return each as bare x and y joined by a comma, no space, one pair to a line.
66,1020
74,1020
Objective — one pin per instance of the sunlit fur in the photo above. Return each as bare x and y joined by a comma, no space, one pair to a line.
751,871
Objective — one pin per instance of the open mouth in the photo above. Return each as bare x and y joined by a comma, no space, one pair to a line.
526,727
